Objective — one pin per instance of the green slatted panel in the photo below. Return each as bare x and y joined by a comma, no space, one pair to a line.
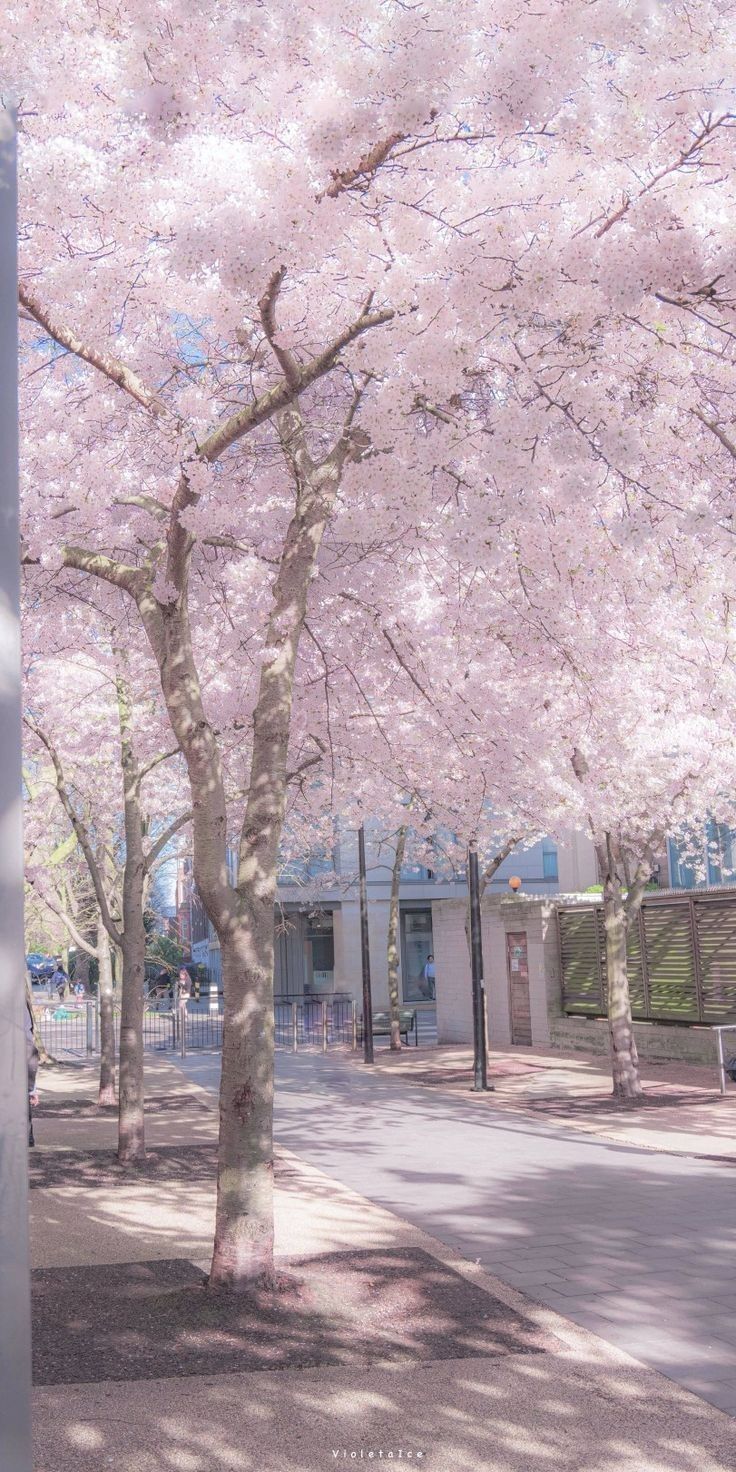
635,971
672,990
580,952
716,931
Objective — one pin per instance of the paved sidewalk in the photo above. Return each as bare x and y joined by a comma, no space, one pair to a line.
529,1390
682,1111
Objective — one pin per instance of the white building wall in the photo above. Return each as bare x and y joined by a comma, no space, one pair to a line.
500,916
348,972
577,866
452,968
493,935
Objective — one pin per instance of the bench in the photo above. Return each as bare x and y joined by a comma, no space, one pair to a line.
382,1025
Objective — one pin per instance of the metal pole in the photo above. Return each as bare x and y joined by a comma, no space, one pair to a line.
15,1339
480,1057
324,1025
721,1063
294,1027
89,1008
365,954
97,1018
354,1021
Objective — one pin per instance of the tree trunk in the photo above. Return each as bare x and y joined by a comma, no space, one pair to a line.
243,914
624,1056
243,1250
393,942
106,1093
131,1124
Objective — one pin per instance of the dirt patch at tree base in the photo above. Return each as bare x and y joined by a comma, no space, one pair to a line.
149,1320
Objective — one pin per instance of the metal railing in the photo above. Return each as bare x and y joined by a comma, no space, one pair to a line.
320,1022
74,1027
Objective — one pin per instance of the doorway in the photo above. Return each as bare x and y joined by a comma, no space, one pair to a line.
517,966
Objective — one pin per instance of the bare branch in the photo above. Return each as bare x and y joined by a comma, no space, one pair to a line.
365,168
146,503
130,579
155,852
715,429
496,862
80,828
112,368
276,398
156,761
310,761
53,904
267,309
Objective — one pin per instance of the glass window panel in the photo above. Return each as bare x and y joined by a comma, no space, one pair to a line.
417,969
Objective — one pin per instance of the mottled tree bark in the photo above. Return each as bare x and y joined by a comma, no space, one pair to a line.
624,1056
244,1220
393,941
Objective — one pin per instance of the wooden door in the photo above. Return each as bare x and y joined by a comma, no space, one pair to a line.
518,974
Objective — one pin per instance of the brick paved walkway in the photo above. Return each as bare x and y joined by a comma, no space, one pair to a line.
639,1246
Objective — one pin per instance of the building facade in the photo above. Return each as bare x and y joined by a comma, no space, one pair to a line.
317,923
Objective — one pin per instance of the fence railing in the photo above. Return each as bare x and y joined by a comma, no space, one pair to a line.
74,1027
315,1022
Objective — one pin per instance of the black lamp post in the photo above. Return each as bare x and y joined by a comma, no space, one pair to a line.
365,954
480,1057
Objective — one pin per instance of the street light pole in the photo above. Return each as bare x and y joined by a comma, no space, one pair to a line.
365,953
15,1331
480,1058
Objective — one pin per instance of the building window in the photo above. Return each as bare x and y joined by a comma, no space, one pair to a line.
549,862
320,955
719,839
417,956
692,866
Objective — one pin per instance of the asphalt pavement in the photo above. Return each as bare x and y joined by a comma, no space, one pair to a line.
635,1245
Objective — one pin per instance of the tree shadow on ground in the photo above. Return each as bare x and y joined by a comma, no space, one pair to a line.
473,1415
635,1244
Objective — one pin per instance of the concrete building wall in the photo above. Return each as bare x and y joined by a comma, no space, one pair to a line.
452,966
348,972
577,866
499,917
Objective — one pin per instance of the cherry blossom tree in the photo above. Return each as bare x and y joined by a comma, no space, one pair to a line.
312,324
83,718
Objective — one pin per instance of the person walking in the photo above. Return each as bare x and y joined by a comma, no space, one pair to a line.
59,980
32,1061
183,993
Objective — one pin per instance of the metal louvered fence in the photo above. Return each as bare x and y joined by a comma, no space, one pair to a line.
681,959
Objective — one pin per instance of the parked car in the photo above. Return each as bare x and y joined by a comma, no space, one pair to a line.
41,967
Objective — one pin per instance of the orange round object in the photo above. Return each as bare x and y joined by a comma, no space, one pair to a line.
514,882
